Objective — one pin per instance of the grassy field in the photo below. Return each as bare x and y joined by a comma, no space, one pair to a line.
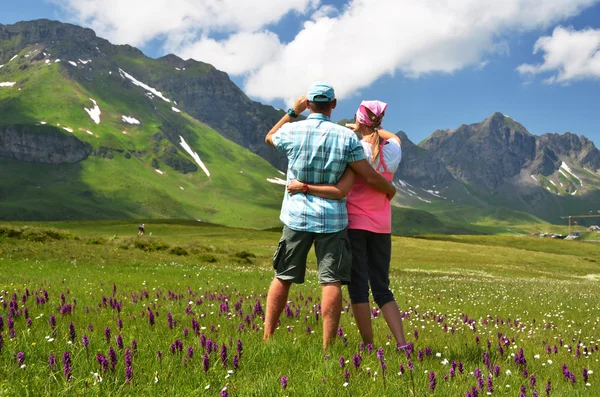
181,313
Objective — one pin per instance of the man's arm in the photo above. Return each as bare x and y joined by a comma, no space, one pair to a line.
334,192
372,177
299,107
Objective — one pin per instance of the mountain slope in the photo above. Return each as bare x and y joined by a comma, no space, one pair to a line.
204,92
82,137
499,163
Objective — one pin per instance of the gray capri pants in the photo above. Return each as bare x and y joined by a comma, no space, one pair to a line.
371,255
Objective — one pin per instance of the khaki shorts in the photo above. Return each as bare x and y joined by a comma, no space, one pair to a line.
333,250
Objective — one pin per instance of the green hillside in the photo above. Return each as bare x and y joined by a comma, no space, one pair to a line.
131,170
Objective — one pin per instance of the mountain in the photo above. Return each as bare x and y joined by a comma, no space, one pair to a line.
206,93
90,130
497,163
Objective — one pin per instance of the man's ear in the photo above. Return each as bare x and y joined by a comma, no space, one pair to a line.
334,104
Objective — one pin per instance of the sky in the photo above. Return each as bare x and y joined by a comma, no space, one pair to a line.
437,63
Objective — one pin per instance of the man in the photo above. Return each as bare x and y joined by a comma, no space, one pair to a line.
318,152
141,230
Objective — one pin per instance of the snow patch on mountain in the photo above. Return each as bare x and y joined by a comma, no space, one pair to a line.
13,57
277,181
175,109
534,178
73,63
94,112
130,120
7,84
144,86
565,167
194,155
68,129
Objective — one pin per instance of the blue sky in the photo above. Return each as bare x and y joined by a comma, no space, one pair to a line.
438,64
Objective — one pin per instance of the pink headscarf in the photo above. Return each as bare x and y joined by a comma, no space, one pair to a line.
376,107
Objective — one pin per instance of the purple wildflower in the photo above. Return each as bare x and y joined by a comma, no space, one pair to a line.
284,381
128,374
224,354
85,341
532,381
523,391
67,365
346,375
585,375
239,348
190,352
357,359
380,355
416,333
497,371
120,342
410,365
490,384
112,354
107,334
342,362
432,381
150,316
72,332
205,363
549,386
236,362
401,369
52,362
20,358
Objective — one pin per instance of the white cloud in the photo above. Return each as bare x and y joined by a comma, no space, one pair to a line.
136,22
350,46
240,53
568,54
373,38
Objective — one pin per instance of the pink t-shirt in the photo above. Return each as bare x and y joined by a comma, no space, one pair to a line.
370,209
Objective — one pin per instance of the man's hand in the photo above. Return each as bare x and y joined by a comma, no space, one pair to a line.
294,187
300,104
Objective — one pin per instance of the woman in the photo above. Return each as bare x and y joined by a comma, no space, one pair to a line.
369,222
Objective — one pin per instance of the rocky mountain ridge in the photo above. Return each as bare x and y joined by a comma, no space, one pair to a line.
204,92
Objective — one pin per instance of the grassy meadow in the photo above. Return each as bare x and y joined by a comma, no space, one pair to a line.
88,308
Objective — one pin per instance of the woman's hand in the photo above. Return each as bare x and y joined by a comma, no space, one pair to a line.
352,126
294,187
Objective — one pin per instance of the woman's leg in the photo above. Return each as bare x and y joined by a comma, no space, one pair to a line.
359,285
379,252
392,316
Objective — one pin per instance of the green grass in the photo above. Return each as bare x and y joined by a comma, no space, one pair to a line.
534,292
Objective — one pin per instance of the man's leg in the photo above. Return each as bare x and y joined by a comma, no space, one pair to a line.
276,301
289,263
334,261
331,309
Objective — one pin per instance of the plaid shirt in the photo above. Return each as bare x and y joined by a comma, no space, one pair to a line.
318,152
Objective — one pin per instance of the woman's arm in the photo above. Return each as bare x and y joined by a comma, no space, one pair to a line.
388,135
334,192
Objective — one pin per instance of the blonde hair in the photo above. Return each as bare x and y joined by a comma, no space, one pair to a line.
373,138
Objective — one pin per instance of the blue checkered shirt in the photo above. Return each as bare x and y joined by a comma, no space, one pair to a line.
318,152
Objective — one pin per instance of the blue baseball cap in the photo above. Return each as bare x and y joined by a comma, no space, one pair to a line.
320,92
